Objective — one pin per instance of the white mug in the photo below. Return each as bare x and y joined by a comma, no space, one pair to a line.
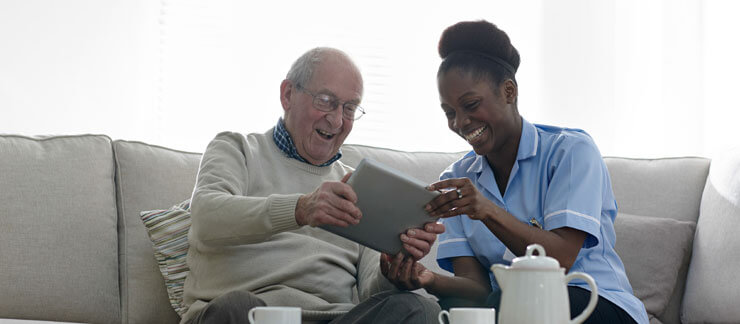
274,315
469,315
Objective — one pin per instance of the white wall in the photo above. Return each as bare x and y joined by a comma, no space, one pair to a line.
78,66
721,76
646,79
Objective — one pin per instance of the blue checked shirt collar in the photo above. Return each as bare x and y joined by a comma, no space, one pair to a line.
283,140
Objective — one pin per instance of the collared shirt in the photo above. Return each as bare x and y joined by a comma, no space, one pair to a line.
558,180
283,140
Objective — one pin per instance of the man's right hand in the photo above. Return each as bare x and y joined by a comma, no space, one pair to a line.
405,273
332,203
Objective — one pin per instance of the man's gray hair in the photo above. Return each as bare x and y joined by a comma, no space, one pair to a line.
302,69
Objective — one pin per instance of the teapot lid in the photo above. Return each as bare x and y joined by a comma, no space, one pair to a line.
539,262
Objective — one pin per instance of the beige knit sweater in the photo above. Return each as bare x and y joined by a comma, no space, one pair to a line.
244,235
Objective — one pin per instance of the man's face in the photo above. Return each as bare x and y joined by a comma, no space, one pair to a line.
318,135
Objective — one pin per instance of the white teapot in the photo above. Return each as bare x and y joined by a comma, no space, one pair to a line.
533,290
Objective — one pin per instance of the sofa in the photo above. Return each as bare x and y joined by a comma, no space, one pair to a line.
74,248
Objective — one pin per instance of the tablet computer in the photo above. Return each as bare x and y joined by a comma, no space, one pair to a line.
391,203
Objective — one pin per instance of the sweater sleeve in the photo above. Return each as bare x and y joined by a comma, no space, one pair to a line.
222,214
369,278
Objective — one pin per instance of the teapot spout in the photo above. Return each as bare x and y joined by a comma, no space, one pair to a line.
501,272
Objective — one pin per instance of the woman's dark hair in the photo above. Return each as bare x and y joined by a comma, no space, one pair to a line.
479,48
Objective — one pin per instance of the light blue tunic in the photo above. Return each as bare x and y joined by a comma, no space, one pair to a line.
560,180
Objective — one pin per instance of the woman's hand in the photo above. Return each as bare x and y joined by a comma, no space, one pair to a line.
463,199
564,243
404,272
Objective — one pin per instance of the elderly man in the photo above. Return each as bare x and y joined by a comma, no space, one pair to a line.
258,200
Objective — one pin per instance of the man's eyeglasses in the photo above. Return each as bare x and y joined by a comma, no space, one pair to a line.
327,103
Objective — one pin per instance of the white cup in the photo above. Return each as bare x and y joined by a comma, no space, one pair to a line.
274,315
469,315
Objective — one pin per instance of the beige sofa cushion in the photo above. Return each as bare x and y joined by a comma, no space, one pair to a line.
653,250
58,241
712,295
424,166
149,177
667,188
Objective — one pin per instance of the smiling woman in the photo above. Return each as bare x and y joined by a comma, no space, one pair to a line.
177,72
519,174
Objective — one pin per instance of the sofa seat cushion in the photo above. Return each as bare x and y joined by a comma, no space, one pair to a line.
58,229
653,250
168,229
712,295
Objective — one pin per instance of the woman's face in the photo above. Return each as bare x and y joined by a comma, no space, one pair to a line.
482,114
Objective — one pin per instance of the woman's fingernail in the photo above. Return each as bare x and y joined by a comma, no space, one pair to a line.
404,237
428,208
412,232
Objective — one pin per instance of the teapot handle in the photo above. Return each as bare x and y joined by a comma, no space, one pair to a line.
591,302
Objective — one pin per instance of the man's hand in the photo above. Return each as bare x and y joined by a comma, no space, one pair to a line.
418,242
332,203
404,272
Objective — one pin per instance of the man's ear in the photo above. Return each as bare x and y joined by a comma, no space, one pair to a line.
511,91
286,89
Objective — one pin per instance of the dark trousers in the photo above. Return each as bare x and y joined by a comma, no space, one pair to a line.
605,311
384,307
392,307
228,308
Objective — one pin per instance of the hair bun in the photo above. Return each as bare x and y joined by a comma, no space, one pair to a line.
478,36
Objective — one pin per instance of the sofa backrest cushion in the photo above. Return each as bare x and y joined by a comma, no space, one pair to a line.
667,188
58,241
424,166
712,295
148,177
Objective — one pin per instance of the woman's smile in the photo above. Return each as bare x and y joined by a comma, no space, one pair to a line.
474,136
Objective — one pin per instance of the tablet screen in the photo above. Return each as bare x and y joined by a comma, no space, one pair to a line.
391,203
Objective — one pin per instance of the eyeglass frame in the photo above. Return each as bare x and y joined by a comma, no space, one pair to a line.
335,103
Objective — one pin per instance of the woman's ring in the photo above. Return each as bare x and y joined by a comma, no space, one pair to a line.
459,194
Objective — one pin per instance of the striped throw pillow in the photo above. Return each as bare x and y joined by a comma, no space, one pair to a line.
168,231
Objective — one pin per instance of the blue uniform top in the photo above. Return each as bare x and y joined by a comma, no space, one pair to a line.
560,180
